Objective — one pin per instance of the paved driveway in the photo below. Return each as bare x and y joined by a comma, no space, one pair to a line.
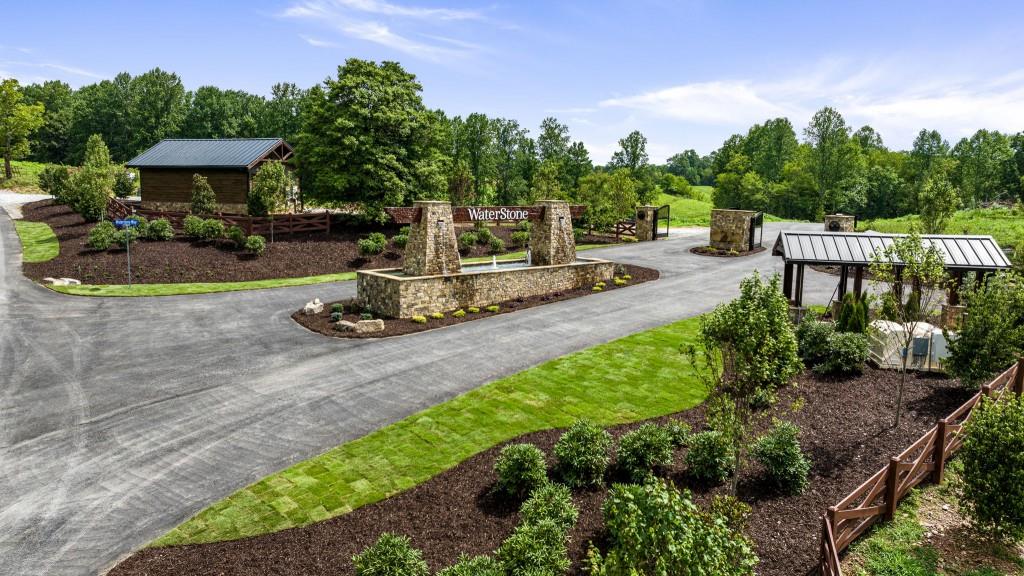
120,418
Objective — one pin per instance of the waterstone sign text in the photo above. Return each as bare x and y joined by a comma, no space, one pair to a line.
410,214
501,213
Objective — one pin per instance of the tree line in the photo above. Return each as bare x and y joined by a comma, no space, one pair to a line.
838,169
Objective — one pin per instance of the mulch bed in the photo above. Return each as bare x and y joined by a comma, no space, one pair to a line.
397,327
181,260
709,251
845,426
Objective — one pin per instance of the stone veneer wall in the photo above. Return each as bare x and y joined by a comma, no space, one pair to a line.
730,229
187,207
843,223
404,297
645,223
432,250
551,239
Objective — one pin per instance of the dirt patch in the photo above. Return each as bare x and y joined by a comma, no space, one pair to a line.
323,324
709,251
181,260
845,430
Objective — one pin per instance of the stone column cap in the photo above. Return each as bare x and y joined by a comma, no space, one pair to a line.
551,202
430,202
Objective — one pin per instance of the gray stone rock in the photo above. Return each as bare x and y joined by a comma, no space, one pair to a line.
313,307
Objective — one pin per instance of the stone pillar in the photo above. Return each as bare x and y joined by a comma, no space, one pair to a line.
730,229
840,223
551,239
432,247
645,222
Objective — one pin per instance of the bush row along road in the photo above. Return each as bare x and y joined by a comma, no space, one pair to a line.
120,418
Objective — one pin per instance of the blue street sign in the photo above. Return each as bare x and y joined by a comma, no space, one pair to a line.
127,223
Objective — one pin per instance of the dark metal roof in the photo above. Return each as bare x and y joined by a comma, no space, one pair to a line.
205,153
829,248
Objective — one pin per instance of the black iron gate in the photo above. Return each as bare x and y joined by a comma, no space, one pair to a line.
757,223
660,214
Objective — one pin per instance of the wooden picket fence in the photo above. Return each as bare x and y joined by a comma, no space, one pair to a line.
925,459
276,225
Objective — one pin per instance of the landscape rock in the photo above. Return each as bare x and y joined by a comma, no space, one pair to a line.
62,281
360,327
313,307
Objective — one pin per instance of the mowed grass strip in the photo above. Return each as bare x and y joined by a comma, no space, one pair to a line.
685,212
634,378
123,290
1004,224
38,242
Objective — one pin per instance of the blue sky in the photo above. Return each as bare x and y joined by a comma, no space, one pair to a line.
687,74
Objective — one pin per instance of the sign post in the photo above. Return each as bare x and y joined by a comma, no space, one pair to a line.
125,225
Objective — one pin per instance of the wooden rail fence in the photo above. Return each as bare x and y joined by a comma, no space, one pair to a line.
923,460
277,225
625,228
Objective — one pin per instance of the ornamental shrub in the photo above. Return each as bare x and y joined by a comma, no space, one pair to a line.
779,452
124,183
366,316
419,319
524,226
493,308
256,244
551,502
497,245
370,246
812,339
535,550
583,452
710,458
101,236
653,529
89,190
473,310
459,313
474,566
193,226
680,433
55,180
378,237
399,241
520,469
853,315
579,233
160,229
126,235
620,281
484,236
391,555
437,316
991,332
236,235
268,190
991,487
337,307
467,240
142,228
336,316
846,353
597,289
641,450
405,230
519,238
204,200
212,229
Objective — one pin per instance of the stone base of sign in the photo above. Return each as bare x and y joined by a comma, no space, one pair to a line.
240,209
840,223
645,224
432,247
362,326
397,296
730,229
551,239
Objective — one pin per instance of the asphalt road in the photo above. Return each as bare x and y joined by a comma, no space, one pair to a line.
120,418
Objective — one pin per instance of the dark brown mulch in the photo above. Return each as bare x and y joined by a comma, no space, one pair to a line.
397,327
845,426
180,260
709,251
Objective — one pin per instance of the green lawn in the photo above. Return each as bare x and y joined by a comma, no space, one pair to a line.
690,212
1003,224
633,378
122,290
38,242
27,178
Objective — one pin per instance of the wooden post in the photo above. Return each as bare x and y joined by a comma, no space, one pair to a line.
1018,378
858,280
787,281
891,484
799,298
844,275
327,215
940,452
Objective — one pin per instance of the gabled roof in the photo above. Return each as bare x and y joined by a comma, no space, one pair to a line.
208,153
831,248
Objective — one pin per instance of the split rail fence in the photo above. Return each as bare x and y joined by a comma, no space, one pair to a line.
277,225
925,459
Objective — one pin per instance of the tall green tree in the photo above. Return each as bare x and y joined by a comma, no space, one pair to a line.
608,196
478,135
868,138
632,153
553,141
368,138
513,155
577,165
985,168
216,113
769,146
157,109
17,121
281,115
836,162
928,152
52,142
689,165
939,200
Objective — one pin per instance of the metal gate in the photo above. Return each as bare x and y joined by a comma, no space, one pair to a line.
660,214
757,222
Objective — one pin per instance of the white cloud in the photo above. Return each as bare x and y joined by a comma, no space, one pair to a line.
895,99
317,42
353,19
73,70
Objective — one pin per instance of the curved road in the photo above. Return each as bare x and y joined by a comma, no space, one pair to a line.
120,418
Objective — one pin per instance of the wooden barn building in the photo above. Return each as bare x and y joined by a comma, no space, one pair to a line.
166,170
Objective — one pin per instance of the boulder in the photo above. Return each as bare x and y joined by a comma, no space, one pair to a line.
313,307
360,327
62,281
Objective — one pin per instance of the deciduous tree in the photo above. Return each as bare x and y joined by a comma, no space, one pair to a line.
17,121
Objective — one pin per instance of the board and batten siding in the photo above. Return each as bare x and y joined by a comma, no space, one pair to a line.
175,184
